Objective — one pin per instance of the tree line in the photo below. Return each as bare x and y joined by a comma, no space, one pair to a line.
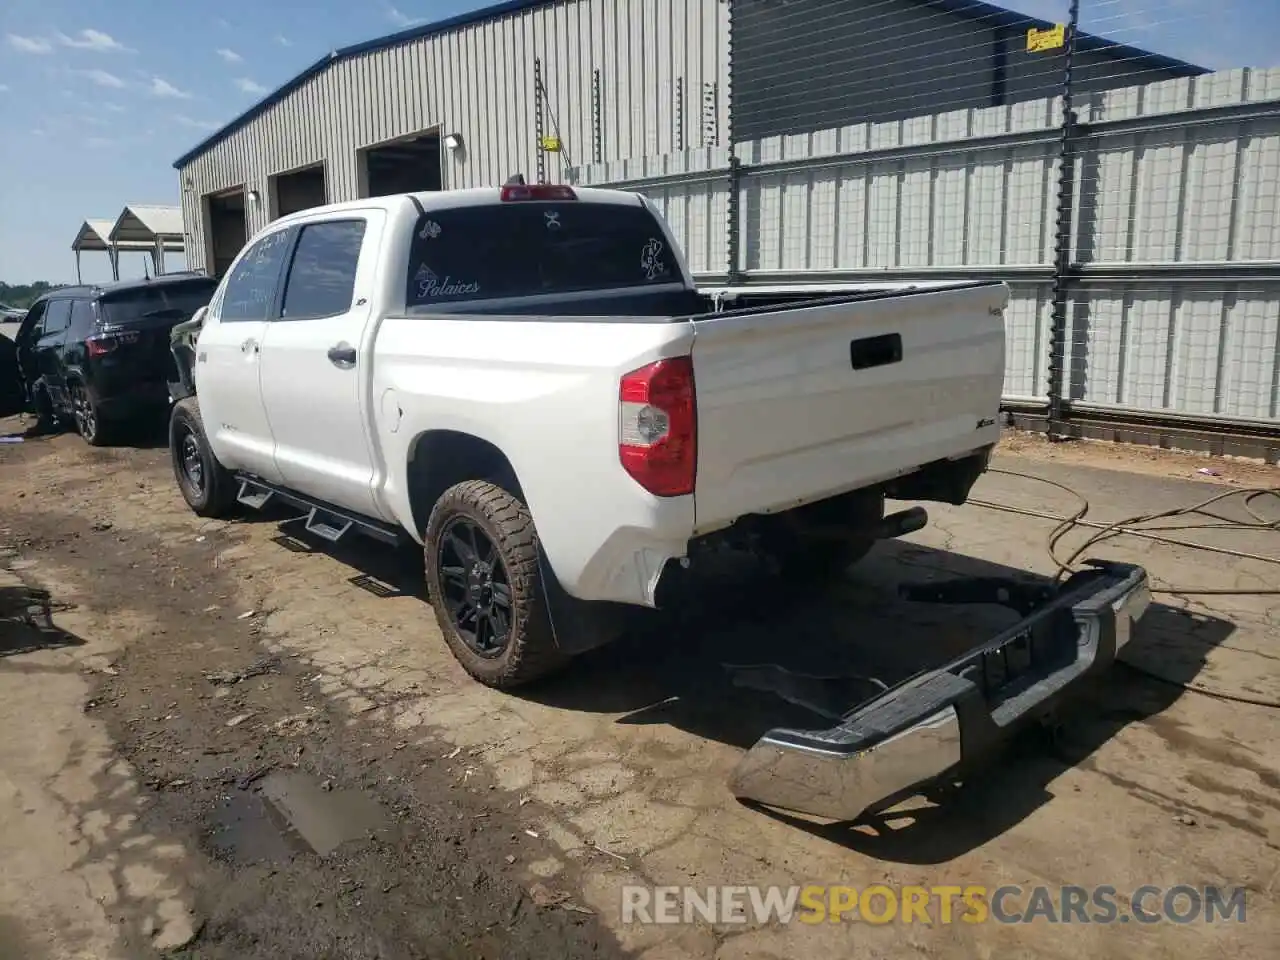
22,295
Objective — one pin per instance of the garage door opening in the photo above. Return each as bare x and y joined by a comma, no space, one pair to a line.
403,166
298,190
227,228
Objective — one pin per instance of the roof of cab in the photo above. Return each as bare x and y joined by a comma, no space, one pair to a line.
440,199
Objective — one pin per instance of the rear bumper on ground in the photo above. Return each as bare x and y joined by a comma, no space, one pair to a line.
943,723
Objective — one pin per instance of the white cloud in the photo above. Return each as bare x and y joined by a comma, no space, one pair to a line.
113,108
89,39
4,88
100,142
245,85
163,88
224,23
401,19
229,55
29,44
104,79
195,124
283,40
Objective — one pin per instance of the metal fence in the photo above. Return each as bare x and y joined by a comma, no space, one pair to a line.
1145,269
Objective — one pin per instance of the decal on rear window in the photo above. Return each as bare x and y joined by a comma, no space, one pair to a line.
432,286
530,248
651,259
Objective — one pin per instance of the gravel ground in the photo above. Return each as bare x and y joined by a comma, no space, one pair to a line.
230,749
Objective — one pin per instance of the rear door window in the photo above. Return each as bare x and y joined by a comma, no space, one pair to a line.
164,302
522,249
322,276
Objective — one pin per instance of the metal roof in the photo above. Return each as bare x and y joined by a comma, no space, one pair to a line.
142,223
973,9
95,235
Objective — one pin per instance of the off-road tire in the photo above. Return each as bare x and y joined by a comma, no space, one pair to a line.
531,652
216,497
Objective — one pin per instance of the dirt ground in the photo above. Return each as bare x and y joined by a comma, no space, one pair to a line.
239,743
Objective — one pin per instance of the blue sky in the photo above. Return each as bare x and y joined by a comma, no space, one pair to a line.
99,97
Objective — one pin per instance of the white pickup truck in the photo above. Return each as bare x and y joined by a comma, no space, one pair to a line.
526,381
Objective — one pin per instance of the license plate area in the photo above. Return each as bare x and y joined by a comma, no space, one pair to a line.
1042,647
879,351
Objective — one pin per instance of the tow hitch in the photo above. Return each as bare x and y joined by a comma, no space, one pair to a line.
941,724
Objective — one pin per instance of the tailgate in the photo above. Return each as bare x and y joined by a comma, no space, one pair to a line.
140,351
801,402
136,322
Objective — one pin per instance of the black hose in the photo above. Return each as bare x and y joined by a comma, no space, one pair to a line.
1134,527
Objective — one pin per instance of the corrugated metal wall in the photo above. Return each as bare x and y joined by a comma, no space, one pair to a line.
1175,304
815,64
478,81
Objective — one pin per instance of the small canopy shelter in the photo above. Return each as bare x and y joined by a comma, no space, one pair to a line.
147,227
95,237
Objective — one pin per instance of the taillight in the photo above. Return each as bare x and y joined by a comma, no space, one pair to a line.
103,343
99,346
537,191
658,426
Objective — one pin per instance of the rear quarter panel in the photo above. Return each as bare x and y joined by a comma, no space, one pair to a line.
546,394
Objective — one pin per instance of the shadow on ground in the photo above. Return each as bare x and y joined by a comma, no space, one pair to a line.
381,570
143,432
26,622
671,669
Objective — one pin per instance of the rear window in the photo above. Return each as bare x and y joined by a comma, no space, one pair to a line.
521,249
169,301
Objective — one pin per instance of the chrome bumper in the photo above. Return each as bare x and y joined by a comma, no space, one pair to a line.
945,722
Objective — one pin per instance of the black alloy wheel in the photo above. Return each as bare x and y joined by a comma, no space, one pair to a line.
476,587
208,487
190,462
86,417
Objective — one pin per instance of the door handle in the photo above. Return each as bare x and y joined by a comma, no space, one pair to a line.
342,355
249,346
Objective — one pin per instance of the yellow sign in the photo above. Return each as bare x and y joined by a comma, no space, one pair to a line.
1051,38
551,144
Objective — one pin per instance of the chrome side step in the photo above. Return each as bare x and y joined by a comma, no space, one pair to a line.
253,494
944,723
327,526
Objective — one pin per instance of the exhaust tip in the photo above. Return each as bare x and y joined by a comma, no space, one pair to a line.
903,522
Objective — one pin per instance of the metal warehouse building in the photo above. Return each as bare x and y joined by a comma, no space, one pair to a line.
540,86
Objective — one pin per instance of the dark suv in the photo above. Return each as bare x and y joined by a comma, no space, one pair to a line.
100,354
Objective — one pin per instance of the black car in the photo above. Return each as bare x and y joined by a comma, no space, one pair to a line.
100,354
